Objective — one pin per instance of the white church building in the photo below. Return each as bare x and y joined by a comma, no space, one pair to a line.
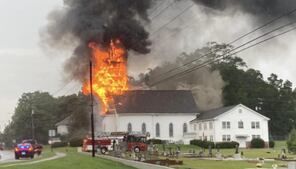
173,115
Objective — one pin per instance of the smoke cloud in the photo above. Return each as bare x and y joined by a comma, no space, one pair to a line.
205,84
82,21
262,9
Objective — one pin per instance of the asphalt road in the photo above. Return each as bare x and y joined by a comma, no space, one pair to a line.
6,156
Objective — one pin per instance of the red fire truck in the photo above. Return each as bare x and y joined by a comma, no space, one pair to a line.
126,141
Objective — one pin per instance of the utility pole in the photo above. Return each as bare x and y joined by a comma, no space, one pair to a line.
92,110
33,127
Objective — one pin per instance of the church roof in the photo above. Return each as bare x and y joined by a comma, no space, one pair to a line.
206,115
155,101
65,121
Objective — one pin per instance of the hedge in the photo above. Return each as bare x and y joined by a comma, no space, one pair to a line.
231,144
155,141
59,144
76,142
202,143
257,143
271,144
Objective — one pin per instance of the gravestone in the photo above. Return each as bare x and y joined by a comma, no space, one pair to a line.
291,165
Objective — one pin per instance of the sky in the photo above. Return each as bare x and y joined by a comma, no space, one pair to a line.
26,67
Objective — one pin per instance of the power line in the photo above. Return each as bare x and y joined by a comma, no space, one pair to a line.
235,40
162,11
265,24
219,58
173,19
60,89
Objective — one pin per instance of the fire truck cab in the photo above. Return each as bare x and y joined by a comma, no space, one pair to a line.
134,142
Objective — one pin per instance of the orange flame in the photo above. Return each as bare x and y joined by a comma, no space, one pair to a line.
109,72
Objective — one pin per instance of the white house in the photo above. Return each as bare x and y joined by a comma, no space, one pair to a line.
164,114
63,126
234,123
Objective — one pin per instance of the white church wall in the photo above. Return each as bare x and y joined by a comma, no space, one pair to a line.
164,120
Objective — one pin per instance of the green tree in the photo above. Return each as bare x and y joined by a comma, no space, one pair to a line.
291,142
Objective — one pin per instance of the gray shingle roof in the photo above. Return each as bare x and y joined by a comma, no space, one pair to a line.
213,113
66,121
155,101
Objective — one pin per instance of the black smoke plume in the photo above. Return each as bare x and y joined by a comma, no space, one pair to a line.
82,21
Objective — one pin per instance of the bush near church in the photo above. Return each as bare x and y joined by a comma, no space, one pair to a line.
202,143
231,144
155,141
257,143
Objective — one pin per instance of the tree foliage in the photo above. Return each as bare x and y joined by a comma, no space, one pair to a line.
291,142
45,111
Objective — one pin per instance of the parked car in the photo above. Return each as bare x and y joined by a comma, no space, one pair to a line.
37,147
24,150
1,147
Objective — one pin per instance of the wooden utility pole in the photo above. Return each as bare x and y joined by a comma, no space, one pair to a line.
92,110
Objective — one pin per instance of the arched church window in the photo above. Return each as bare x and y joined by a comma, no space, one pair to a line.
171,130
184,128
129,127
157,128
143,128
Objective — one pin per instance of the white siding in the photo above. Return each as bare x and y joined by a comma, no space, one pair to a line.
241,135
151,120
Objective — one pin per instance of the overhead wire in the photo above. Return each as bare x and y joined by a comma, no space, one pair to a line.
235,40
221,57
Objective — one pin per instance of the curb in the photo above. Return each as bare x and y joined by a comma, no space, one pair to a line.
136,164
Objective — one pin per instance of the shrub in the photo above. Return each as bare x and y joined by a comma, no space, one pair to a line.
75,142
59,144
155,141
271,144
257,143
291,142
202,143
231,144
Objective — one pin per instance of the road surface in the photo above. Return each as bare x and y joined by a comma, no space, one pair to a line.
6,156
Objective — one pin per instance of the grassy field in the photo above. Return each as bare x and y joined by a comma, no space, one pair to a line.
73,160
193,163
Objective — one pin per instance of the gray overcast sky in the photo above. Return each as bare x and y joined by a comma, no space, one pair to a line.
24,67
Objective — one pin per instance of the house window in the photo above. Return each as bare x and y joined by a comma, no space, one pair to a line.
226,124
200,137
255,136
194,127
157,128
240,124
205,138
184,128
225,137
171,130
255,125
199,126
143,128
211,138
205,126
240,110
129,127
211,125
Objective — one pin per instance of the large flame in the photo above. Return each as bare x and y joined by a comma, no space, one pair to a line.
109,72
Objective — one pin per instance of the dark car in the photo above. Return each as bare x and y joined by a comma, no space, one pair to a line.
37,147
1,147
24,150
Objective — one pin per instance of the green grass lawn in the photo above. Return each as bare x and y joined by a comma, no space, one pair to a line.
194,163
74,160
